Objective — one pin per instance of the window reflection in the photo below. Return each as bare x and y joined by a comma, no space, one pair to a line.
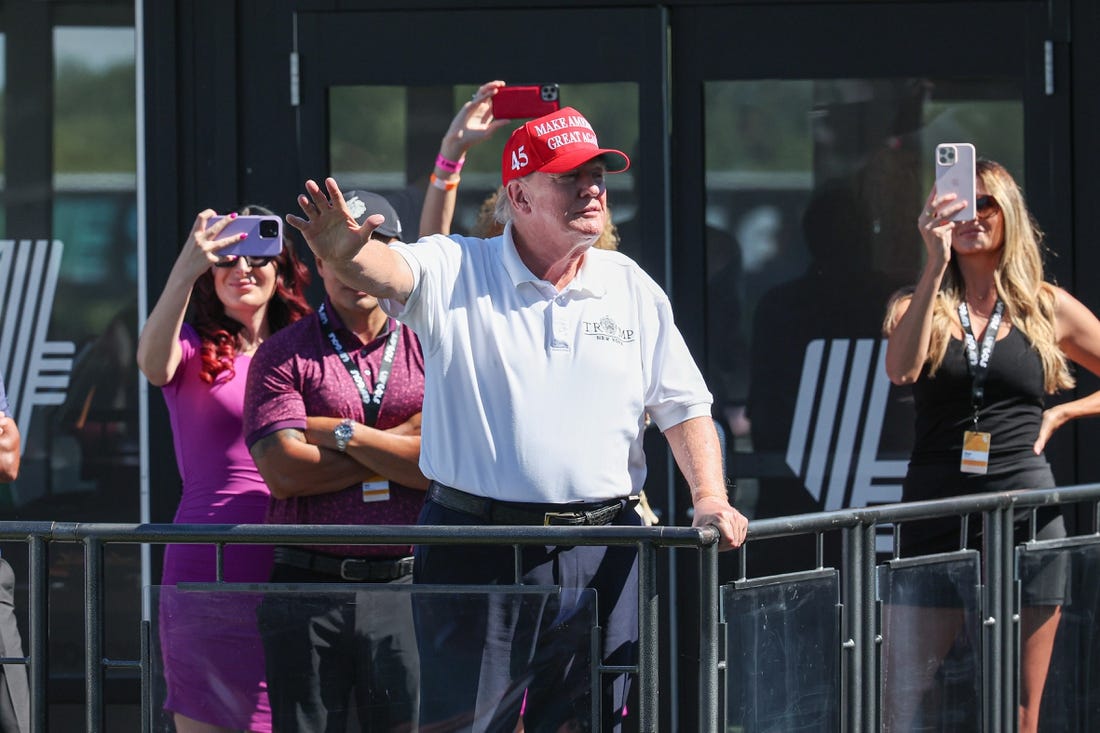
813,187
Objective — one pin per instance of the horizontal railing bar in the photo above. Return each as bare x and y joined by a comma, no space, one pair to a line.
932,509
122,663
351,586
527,535
338,534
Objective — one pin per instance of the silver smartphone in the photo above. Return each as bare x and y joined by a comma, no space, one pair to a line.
955,174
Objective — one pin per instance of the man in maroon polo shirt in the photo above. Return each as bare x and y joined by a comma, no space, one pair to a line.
332,419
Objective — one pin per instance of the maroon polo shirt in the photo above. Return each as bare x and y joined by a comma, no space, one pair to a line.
296,373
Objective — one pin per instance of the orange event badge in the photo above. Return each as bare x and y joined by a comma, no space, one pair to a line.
377,489
975,452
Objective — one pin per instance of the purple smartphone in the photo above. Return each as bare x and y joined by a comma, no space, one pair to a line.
265,235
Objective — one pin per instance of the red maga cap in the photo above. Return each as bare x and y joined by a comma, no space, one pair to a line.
556,143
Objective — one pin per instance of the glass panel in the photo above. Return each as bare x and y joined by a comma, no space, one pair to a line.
68,290
1059,617
813,188
209,644
783,652
385,139
3,116
367,139
931,661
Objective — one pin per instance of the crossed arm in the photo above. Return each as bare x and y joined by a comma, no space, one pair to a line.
294,463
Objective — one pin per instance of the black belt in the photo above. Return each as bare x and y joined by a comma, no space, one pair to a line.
347,568
507,512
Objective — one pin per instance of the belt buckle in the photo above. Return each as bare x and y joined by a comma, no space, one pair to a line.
345,573
549,516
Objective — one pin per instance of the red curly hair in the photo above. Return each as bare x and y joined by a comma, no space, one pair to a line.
220,334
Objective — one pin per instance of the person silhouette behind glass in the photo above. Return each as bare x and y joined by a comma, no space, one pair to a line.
838,297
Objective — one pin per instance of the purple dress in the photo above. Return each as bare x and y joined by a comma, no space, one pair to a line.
213,658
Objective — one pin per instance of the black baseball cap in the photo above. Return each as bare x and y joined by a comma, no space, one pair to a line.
364,203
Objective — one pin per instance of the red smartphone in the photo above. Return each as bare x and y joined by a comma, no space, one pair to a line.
519,102
265,235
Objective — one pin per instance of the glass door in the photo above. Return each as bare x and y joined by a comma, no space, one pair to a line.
804,151
377,124
815,143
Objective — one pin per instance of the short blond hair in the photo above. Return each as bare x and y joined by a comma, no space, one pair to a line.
496,211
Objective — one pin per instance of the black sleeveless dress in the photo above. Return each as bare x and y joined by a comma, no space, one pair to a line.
1012,413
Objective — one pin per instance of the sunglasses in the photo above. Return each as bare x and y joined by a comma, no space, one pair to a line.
253,262
987,206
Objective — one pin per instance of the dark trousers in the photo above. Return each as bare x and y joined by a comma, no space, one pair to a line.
335,656
484,657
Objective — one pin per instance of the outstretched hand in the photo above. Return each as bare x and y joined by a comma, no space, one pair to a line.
329,228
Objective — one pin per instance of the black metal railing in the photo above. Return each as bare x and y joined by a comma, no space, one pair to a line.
860,632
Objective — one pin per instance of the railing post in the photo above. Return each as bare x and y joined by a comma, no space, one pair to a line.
37,632
992,620
868,650
93,634
146,677
1010,626
853,643
648,658
708,638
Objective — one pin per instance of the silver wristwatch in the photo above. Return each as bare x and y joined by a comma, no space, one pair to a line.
343,433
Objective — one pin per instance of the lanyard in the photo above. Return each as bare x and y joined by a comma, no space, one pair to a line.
372,403
979,363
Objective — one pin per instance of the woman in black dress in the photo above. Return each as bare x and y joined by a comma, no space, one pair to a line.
984,394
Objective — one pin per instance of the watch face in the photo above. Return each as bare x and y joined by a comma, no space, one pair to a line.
343,433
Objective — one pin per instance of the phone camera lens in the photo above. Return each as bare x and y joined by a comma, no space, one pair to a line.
269,229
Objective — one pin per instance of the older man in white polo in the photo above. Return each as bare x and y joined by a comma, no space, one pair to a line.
543,357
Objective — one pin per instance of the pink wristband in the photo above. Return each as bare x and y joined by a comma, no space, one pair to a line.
451,166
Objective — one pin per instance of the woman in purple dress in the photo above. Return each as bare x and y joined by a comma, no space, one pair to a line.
213,659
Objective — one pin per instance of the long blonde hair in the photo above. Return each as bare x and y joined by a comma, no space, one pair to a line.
1028,298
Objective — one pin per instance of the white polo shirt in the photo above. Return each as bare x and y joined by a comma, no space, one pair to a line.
537,396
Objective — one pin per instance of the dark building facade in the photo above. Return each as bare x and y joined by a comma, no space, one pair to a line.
781,152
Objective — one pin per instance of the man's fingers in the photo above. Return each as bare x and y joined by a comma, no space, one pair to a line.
316,195
372,222
297,222
336,197
732,528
